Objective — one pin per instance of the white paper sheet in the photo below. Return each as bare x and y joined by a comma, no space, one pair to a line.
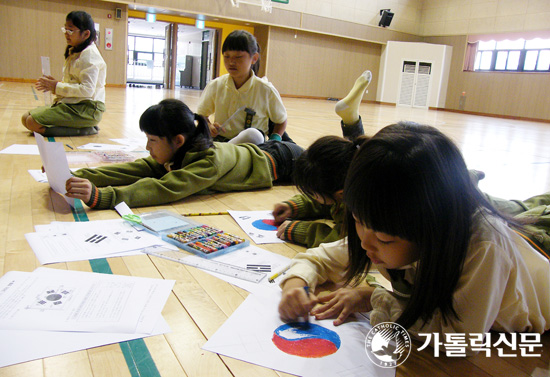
46,71
247,335
258,225
55,163
19,346
59,300
136,142
21,149
40,176
73,241
107,147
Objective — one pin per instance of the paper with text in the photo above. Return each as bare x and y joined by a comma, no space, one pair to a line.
60,300
73,241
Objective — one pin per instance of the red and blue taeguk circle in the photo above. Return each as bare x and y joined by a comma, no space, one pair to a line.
265,224
306,340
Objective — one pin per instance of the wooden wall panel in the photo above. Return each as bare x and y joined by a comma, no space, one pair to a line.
32,28
316,65
353,30
262,36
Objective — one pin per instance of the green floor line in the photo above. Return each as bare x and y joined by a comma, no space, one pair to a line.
137,356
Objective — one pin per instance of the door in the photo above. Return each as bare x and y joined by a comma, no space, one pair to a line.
415,84
169,71
205,47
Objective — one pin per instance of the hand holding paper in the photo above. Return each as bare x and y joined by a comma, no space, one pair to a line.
79,188
55,164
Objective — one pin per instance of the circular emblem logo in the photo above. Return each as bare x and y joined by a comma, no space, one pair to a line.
388,345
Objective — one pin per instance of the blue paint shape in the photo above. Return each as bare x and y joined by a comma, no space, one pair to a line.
264,225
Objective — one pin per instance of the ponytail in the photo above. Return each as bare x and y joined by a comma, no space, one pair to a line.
359,141
202,139
321,169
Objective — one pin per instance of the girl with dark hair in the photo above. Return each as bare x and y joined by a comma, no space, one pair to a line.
319,175
184,160
246,108
80,96
456,265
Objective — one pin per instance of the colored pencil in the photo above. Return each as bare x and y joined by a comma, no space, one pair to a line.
205,213
277,274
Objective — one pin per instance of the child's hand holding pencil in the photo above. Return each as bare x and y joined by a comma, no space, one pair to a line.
296,301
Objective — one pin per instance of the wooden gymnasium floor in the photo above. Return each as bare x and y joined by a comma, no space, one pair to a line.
514,155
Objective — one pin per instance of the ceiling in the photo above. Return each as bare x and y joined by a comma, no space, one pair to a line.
154,28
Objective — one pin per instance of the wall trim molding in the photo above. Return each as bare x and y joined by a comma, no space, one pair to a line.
513,117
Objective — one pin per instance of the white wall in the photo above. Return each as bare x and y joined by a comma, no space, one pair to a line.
391,63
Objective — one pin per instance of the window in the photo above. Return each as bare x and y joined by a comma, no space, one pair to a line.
519,55
145,59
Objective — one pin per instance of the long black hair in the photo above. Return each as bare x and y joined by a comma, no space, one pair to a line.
83,21
242,40
411,181
172,117
321,169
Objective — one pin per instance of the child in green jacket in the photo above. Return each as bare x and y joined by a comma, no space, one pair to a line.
184,161
319,175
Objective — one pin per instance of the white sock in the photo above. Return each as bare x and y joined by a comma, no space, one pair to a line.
250,135
348,107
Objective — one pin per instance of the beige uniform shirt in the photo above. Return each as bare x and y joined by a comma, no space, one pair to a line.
84,76
504,286
227,103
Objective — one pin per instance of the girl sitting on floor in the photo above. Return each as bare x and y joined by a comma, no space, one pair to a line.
80,96
247,108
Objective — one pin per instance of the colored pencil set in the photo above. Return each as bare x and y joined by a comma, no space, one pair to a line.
204,239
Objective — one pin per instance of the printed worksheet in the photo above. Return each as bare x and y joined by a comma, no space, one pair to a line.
259,225
73,241
60,300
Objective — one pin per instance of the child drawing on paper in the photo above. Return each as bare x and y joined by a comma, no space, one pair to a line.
184,161
456,264
320,174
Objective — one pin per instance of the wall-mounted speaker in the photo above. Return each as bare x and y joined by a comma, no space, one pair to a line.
118,13
386,18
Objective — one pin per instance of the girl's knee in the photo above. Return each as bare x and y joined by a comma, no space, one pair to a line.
33,125
24,118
